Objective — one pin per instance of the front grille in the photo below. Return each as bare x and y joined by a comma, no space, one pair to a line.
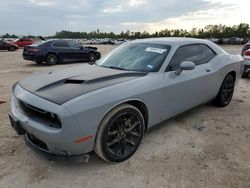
40,115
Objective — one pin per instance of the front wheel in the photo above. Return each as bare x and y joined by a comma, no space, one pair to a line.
226,91
91,57
11,48
120,134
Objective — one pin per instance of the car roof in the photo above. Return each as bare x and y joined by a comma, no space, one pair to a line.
179,41
171,40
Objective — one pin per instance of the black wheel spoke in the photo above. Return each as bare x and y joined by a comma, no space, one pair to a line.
134,133
132,127
114,132
229,91
115,140
129,141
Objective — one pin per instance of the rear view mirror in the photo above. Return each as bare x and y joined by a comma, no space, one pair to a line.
185,65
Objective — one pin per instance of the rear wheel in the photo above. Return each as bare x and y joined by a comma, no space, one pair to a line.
226,91
11,48
51,59
120,134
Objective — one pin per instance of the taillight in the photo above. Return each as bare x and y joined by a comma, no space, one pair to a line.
33,50
246,55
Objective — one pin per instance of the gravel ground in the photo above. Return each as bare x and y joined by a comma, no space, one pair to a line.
204,147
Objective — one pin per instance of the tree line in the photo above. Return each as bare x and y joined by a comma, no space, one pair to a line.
210,31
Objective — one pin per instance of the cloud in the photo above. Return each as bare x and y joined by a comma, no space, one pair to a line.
43,2
117,8
45,17
137,3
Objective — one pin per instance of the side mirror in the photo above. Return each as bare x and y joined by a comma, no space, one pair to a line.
81,47
185,65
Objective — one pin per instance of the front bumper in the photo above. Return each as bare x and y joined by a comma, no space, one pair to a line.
38,146
59,141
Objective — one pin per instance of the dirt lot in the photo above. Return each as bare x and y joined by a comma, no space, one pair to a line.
205,147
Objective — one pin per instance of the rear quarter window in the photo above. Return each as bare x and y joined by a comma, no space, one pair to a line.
197,53
61,44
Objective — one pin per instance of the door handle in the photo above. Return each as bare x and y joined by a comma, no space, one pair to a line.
208,69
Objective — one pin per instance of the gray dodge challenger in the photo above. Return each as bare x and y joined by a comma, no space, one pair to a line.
106,107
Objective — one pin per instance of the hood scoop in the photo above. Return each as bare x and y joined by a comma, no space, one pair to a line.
74,81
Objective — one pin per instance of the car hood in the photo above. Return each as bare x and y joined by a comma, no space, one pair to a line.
11,44
62,85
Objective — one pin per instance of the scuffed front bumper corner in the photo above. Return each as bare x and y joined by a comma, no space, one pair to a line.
76,158
52,141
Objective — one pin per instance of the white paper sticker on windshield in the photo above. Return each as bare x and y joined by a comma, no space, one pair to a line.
156,50
150,66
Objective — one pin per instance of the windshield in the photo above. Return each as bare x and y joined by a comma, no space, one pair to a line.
136,57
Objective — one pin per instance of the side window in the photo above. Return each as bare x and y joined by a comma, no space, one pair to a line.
198,53
61,44
73,44
206,54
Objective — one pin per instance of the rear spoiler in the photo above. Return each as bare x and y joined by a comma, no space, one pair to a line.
91,47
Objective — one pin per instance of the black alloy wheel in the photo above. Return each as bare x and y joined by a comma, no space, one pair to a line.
121,134
91,57
225,94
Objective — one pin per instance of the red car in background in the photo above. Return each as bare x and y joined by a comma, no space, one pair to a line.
8,46
23,42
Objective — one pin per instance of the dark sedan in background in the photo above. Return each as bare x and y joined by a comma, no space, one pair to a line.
55,51
7,46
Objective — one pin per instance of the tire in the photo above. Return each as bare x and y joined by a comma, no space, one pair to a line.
226,91
51,59
11,48
91,57
116,143
244,75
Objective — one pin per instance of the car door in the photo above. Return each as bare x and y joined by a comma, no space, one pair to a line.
62,49
78,53
191,87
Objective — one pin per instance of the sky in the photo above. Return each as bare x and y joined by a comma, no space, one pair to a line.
45,17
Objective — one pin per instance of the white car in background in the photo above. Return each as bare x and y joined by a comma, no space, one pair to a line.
120,41
246,56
